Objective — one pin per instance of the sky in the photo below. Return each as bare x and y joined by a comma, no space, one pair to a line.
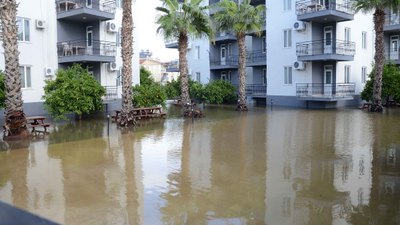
146,27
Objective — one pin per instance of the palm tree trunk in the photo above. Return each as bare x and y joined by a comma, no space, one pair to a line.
183,70
379,21
15,121
242,74
126,117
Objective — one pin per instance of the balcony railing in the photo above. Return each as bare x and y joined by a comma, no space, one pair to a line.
69,5
326,47
258,56
392,19
311,6
323,91
393,54
229,61
254,90
86,48
111,93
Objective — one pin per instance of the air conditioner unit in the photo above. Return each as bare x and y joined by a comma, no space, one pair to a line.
299,65
111,27
112,66
40,24
48,71
299,26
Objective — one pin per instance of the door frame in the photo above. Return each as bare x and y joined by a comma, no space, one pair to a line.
328,83
328,43
394,51
89,40
223,54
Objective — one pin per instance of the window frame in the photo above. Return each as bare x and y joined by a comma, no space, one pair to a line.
287,38
26,29
287,5
364,39
25,77
347,72
364,75
288,75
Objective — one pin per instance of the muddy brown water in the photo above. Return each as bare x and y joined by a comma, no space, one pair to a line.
279,166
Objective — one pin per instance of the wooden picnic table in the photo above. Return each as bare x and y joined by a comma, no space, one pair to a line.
145,112
37,121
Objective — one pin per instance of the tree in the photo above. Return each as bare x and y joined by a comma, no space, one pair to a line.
2,90
126,117
181,20
242,18
379,7
73,91
149,93
15,120
390,84
145,77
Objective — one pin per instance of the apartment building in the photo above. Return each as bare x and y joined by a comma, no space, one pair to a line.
391,36
319,53
220,60
56,34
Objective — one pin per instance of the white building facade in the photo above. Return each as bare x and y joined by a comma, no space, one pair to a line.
57,34
319,53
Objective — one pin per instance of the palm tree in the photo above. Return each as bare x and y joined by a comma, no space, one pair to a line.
126,117
379,7
15,121
241,18
180,20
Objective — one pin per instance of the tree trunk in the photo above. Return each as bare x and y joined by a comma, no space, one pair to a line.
126,117
15,121
242,74
379,21
183,70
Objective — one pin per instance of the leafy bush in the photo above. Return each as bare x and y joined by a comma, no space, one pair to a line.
149,95
220,91
2,90
74,90
390,84
173,89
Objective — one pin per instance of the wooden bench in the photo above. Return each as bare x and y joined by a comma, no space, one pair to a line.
41,125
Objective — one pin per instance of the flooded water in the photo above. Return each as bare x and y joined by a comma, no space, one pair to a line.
280,166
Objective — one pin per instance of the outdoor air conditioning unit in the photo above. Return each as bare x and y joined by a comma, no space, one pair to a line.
111,27
299,26
48,71
299,65
40,24
112,66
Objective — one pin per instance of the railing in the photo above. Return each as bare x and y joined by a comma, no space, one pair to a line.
85,47
254,90
393,54
257,56
69,5
229,61
392,19
321,90
325,47
312,6
111,93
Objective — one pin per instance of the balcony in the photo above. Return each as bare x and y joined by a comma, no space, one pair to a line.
173,66
325,92
225,36
231,62
171,43
393,55
255,90
85,51
318,11
326,50
257,58
392,22
111,93
80,11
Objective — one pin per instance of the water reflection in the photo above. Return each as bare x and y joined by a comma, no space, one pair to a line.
260,167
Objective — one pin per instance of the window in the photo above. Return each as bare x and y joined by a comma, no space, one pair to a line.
363,74
264,44
25,74
223,75
287,5
119,37
198,76
347,36
364,40
288,75
287,38
346,74
229,78
23,29
264,76
229,49
197,52
120,3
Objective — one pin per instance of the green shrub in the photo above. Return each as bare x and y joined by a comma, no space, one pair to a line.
145,77
220,91
173,89
74,90
390,84
149,95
